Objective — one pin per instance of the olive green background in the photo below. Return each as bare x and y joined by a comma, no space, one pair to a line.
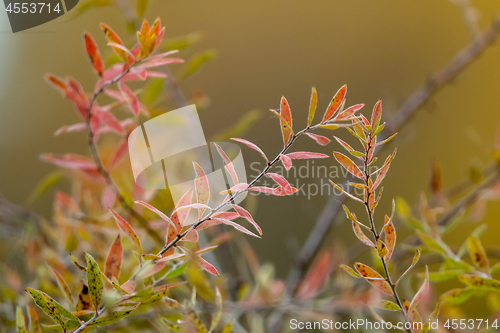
383,49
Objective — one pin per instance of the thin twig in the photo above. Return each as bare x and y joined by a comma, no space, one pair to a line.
97,160
439,79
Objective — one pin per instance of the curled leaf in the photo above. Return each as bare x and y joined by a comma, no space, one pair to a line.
322,140
128,230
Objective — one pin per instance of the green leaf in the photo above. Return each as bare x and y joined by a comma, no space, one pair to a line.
196,64
351,271
112,317
94,280
477,254
479,282
458,296
48,305
387,305
43,186
152,91
20,322
176,271
441,276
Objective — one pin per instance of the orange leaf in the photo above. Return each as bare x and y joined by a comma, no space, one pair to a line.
390,239
374,278
383,171
349,165
286,122
94,55
312,106
335,103
128,230
114,38
114,259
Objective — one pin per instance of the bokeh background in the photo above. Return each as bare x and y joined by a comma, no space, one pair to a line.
382,49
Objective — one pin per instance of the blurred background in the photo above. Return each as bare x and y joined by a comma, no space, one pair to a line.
381,49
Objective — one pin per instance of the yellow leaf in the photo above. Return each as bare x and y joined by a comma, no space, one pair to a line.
477,254
312,106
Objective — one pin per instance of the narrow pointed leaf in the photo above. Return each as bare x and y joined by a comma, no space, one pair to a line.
246,215
287,161
286,122
20,321
62,284
477,254
421,293
253,146
128,230
360,234
114,38
335,103
114,259
387,305
349,165
94,55
34,321
322,140
228,164
351,271
312,106
201,187
157,211
305,155
94,279
390,239
374,278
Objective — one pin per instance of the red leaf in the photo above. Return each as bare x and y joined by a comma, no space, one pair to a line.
71,128
287,161
130,97
180,217
228,164
286,122
246,215
159,62
236,188
280,180
305,155
128,230
383,171
191,236
376,115
421,293
233,224
157,211
335,103
110,120
71,161
108,197
94,55
253,146
118,155
349,112
280,191
319,138
202,187
226,215
207,266
114,259
349,165
316,277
